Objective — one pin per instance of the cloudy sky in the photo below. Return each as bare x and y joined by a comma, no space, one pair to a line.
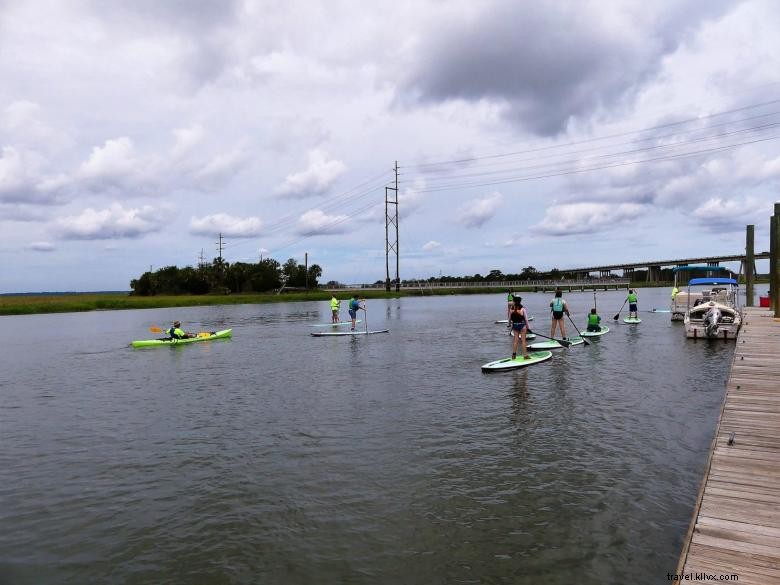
551,134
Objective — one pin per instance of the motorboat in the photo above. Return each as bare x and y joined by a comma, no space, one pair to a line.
682,299
713,310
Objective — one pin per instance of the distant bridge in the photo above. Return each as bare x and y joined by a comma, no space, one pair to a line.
654,266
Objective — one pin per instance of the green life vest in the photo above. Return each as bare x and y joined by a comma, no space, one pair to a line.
334,304
510,298
631,297
593,319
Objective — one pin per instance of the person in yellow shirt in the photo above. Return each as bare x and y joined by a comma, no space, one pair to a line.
675,292
334,309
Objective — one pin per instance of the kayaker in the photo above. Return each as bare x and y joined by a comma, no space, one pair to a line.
176,332
632,298
334,309
558,307
519,322
354,306
593,321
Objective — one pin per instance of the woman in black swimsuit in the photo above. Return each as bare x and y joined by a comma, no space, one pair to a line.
518,318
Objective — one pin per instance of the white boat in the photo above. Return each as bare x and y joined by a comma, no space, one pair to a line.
713,310
682,300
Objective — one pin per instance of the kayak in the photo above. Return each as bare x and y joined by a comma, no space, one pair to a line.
168,341
339,324
604,329
632,320
553,344
343,333
518,362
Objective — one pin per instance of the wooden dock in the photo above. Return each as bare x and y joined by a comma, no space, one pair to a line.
735,528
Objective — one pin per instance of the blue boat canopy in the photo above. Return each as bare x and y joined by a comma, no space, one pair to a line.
713,280
698,267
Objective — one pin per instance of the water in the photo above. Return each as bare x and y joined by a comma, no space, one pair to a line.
277,457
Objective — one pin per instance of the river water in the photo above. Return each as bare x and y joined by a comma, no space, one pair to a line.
277,457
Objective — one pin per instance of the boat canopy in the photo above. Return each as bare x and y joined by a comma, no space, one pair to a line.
697,267
712,281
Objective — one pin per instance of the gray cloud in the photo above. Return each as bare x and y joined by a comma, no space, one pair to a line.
549,62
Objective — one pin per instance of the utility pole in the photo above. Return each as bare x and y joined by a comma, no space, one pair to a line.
391,218
774,261
220,246
201,259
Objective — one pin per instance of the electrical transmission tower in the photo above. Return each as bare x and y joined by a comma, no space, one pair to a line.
391,239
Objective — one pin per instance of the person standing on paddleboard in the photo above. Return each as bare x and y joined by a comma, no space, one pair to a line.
518,319
334,309
354,307
176,332
558,307
593,321
631,298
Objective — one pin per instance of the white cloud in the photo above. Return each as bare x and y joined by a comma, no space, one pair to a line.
430,246
318,177
223,166
720,215
187,139
316,222
228,225
477,212
112,223
41,247
114,160
587,218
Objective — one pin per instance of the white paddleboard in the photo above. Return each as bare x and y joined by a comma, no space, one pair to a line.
527,335
339,324
518,362
553,344
660,311
586,333
505,321
632,320
343,333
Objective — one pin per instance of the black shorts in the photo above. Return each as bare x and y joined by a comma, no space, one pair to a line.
557,315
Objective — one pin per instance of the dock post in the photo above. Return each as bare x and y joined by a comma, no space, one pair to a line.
750,261
774,261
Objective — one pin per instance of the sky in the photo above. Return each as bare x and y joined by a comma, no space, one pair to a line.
549,134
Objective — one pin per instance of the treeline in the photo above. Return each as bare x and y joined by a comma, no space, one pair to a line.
222,277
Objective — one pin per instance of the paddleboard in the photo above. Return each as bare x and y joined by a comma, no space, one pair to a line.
527,335
604,329
518,362
632,320
339,324
505,321
342,333
659,311
550,344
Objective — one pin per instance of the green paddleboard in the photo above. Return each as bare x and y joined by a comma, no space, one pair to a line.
632,320
512,364
604,329
550,344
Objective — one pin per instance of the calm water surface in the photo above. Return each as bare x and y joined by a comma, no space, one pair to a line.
277,457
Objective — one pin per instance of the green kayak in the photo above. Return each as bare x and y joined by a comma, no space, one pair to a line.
167,341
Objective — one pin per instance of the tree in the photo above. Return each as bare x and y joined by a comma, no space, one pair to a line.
494,275
529,273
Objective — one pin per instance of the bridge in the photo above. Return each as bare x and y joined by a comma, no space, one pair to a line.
654,266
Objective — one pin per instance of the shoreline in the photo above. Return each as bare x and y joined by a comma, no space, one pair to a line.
74,302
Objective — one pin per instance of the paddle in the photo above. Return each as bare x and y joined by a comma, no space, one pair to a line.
561,341
365,315
617,316
585,341
158,330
